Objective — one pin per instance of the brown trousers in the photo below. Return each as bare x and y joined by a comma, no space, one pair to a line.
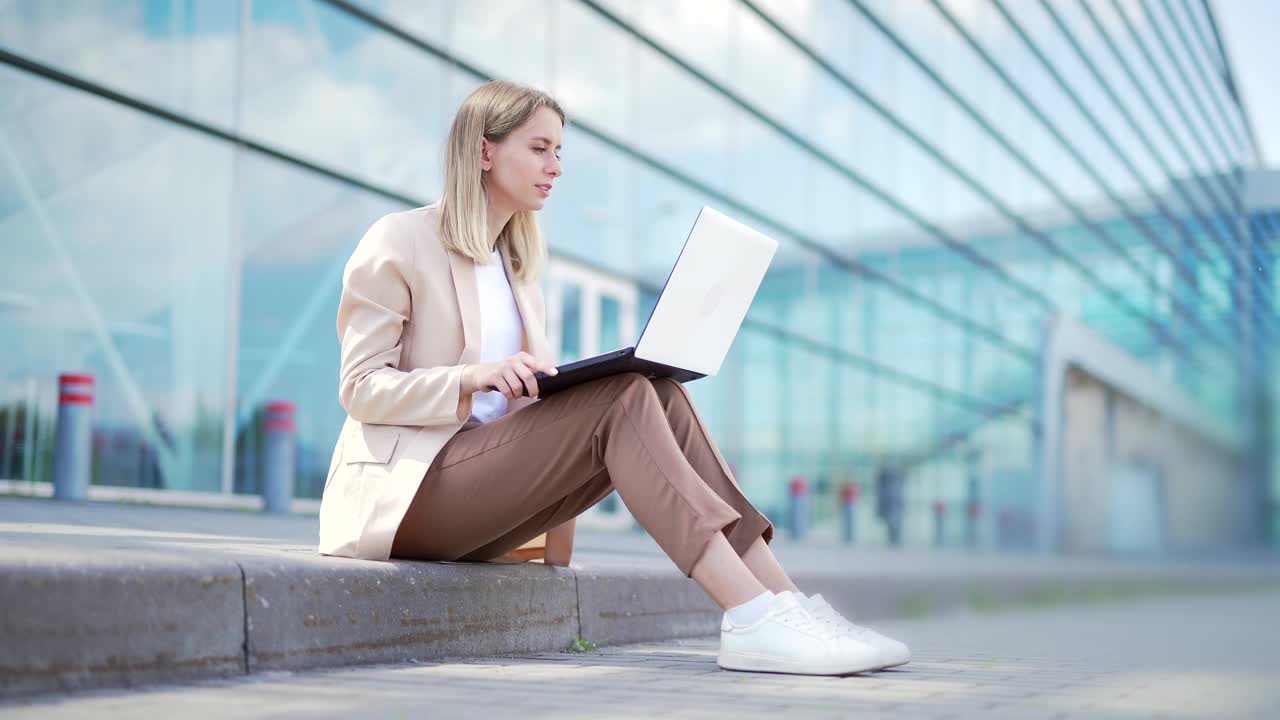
497,485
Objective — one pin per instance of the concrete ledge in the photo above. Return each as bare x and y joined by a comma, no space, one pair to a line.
71,625
623,606
97,595
322,611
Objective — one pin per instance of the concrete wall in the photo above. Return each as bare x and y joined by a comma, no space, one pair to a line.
1134,480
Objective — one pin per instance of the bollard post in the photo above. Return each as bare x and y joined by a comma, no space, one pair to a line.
974,511
849,511
939,515
973,495
278,458
72,441
1002,528
799,492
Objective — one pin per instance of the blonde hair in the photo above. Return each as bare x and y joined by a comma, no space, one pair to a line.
492,111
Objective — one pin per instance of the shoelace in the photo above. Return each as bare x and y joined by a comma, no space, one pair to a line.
800,619
827,615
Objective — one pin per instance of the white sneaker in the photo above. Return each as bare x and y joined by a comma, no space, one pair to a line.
789,640
893,652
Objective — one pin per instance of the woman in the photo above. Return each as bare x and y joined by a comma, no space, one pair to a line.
443,457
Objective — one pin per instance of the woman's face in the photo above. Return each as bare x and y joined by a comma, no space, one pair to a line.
520,170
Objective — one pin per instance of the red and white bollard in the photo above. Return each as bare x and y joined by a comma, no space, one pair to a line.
798,489
73,437
849,511
939,518
974,511
278,458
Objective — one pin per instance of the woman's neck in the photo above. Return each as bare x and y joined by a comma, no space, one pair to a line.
498,218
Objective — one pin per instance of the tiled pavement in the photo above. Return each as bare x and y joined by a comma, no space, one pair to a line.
1202,656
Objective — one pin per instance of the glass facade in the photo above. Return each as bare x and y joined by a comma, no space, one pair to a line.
182,181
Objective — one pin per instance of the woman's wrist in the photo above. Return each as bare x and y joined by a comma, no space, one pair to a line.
467,385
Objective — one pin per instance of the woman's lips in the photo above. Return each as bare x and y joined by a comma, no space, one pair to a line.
544,189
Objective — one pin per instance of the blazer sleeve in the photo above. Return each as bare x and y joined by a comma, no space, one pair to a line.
372,313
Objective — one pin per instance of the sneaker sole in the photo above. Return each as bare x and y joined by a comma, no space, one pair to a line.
750,662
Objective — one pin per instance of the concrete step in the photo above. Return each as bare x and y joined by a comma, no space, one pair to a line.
116,596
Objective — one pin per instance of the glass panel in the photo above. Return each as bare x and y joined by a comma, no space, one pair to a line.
124,273
571,323
179,54
610,323
327,87
299,230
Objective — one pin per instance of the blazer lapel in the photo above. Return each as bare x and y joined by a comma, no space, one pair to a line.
464,283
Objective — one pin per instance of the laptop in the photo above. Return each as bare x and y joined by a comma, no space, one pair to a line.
698,313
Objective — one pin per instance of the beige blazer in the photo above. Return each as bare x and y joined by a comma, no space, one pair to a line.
408,321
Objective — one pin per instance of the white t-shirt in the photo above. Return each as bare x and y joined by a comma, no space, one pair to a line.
500,332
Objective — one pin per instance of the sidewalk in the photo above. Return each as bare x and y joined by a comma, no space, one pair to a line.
108,595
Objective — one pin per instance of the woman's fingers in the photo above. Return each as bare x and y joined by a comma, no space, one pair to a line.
536,365
512,376
502,385
530,382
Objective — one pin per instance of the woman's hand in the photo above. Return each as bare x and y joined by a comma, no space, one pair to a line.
508,376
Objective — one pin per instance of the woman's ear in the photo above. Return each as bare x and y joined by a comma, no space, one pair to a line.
485,160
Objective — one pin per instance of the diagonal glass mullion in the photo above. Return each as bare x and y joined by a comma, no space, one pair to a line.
951,438
1082,218
1027,355
1245,252
1221,69
1260,229
1194,59
1020,157
1097,229
1202,182
1182,75
1090,117
1232,85
1122,107
1208,190
1142,224
1177,104
1193,91
951,165
846,264
1016,154
855,177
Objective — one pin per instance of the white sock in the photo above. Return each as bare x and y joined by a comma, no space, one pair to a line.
749,612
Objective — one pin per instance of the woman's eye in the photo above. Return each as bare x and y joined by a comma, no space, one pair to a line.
539,149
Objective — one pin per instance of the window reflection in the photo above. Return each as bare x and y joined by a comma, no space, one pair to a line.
870,343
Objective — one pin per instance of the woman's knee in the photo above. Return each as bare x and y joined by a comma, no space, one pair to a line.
666,388
634,386
673,395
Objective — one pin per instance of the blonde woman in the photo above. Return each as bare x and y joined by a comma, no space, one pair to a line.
443,457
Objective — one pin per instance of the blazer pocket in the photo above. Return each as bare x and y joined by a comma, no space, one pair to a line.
369,443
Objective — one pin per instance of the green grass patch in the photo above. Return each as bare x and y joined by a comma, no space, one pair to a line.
915,605
581,646
983,601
